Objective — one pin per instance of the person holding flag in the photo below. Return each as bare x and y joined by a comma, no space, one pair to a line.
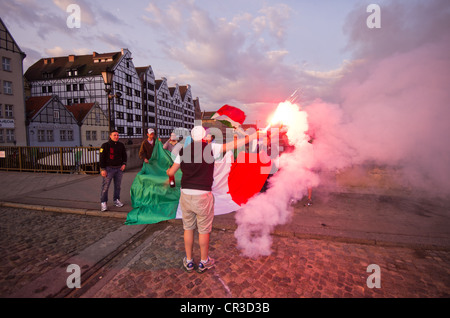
196,161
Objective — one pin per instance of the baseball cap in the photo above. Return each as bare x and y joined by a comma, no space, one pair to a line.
197,133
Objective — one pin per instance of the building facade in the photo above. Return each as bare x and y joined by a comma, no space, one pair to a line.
12,98
93,124
50,123
188,106
139,101
148,91
163,109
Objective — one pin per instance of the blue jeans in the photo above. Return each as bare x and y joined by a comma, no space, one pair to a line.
111,173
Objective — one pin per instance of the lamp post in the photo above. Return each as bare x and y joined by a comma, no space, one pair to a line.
107,78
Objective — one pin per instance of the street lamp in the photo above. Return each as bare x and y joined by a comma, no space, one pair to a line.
107,78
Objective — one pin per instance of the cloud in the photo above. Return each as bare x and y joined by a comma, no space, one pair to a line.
239,59
59,51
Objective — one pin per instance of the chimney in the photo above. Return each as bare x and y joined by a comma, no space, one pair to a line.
94,54
71,58
52,60
45,61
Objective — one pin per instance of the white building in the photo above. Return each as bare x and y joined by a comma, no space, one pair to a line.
78,79
147,77
143,102
50,123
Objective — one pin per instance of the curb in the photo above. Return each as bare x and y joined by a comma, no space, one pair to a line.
232,227
87,212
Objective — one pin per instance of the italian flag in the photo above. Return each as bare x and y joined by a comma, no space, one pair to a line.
235,182
230,116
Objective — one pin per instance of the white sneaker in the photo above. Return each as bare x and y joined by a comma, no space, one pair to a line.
104,207
118,203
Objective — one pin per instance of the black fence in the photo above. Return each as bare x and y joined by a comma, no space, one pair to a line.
51,159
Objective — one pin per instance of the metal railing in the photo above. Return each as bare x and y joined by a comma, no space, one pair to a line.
50,159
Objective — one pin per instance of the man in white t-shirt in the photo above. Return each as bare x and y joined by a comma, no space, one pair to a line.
196,161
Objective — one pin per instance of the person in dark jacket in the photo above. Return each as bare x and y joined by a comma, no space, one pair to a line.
113,159
146,150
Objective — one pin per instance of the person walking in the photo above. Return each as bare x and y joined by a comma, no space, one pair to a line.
147,146
113,160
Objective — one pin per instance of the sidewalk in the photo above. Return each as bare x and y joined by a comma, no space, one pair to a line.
346,214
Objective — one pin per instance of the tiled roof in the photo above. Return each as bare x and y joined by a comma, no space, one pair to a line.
57,67
34,104
80,111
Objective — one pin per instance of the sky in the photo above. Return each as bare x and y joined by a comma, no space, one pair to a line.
252,54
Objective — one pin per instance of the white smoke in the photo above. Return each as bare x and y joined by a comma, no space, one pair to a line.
390,108
257,219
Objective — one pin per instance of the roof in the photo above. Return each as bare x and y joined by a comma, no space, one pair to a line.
80,111
7,42
57,67
34,104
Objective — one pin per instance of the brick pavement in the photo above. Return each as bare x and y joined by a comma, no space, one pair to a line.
33,242
296,268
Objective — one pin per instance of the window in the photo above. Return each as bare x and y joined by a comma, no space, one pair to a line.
9,111
104,135
6,64
88,135
10,135
56,114
2,137
81,87
41,135
74,87
44,89
68,87
129,91
62,135
1,111
128,78
50,135
7,87
70,135
94,135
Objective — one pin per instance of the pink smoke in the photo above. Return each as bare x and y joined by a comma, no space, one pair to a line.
391,108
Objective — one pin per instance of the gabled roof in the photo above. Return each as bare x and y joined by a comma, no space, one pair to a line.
183,90
172,90
80,111
7,42
34,104
85,65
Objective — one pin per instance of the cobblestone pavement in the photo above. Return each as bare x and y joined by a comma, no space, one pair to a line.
296,268
33,242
